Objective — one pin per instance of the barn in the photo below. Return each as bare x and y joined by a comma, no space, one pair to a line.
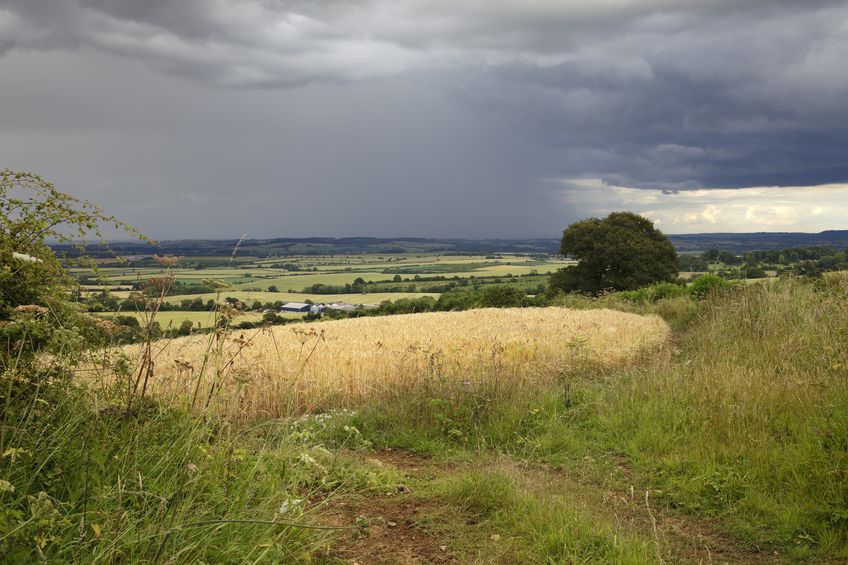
295,307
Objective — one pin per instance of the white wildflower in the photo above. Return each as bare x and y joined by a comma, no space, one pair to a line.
288,505
308,459
25,257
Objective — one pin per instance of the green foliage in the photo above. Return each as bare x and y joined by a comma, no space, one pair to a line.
85,483
705,285
501,296
33,306
655,293
96,471
623,251
728,258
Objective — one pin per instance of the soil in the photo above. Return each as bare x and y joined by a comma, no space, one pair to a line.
401,529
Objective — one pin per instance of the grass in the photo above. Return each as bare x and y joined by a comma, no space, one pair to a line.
742,423
764,450
95,486
738,426
552,526
346,362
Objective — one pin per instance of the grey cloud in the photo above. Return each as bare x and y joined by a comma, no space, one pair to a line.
343,103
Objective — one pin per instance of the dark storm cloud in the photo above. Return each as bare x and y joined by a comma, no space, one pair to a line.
414,104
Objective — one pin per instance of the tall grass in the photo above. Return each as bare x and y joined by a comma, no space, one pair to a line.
102,472
743,421
749,423
83,483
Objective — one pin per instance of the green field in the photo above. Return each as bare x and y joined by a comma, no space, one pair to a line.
248,279
199,319
248,297
341,269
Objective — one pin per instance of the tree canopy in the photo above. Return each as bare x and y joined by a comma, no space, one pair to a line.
623,251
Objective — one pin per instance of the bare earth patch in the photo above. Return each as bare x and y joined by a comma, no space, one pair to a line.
401,529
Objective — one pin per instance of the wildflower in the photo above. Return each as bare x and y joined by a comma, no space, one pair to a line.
31,310
107,326
288,505
167,260
25,257
309,460
161,284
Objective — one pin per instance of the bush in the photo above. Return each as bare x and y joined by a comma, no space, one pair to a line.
500,296
662,291
706,285
654,293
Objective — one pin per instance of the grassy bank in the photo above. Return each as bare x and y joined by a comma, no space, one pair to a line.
743,422
738,426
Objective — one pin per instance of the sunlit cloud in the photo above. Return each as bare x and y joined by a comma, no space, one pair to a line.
752,209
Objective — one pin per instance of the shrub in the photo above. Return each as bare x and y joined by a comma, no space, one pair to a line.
707,284
500,296
666,290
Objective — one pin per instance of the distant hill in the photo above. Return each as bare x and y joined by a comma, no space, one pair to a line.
741,242
326,246
735,242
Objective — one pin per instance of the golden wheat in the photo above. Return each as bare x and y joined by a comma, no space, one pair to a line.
270,372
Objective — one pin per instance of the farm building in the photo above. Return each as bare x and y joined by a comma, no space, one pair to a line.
343,306
295,307
303,307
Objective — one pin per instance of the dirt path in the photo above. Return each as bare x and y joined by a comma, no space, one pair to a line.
407,528
401,529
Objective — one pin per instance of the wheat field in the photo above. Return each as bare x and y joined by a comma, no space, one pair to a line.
276,371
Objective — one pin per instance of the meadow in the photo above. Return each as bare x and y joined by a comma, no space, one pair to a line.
578,433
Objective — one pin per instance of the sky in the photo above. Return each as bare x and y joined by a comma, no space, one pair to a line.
438,118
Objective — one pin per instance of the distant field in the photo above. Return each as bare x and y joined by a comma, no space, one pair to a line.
249,297
249,278
298,281
360,358
333,269
205,319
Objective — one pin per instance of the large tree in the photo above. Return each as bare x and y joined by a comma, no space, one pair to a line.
623,251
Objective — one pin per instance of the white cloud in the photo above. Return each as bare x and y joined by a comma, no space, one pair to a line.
784,208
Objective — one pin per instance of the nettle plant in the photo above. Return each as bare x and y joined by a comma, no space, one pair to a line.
35,314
